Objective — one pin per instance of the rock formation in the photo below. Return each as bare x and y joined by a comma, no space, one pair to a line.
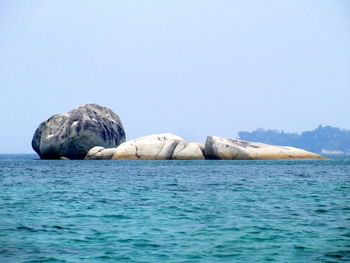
100,153
229,149
73,134
152,147
189,151
168,146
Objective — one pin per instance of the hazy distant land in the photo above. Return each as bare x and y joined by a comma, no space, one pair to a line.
324,139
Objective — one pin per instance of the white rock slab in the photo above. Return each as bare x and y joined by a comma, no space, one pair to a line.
151,147
189,151
230,149
100,153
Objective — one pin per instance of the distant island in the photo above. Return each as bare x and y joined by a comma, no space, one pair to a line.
324,139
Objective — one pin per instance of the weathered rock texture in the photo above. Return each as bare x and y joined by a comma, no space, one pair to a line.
152,147
100,153
189,151
74,133
229,149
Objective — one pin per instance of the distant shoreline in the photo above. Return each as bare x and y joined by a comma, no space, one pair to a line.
325,140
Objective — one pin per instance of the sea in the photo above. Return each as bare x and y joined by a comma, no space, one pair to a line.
174,211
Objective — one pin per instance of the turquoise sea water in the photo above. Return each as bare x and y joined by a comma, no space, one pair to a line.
174,211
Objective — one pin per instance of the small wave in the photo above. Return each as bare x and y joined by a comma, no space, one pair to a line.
298,247
26,228
338,254
42,260
321,210
117,216
230,255
140,245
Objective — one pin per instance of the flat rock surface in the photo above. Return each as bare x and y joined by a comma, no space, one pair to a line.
230,149
74,133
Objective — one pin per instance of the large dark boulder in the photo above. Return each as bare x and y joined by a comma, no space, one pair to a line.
74,133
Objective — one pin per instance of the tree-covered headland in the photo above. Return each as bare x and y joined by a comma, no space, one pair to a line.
324,139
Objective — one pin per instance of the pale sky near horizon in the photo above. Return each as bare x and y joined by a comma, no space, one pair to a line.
193,68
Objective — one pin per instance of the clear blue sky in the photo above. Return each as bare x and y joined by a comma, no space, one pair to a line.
193,68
